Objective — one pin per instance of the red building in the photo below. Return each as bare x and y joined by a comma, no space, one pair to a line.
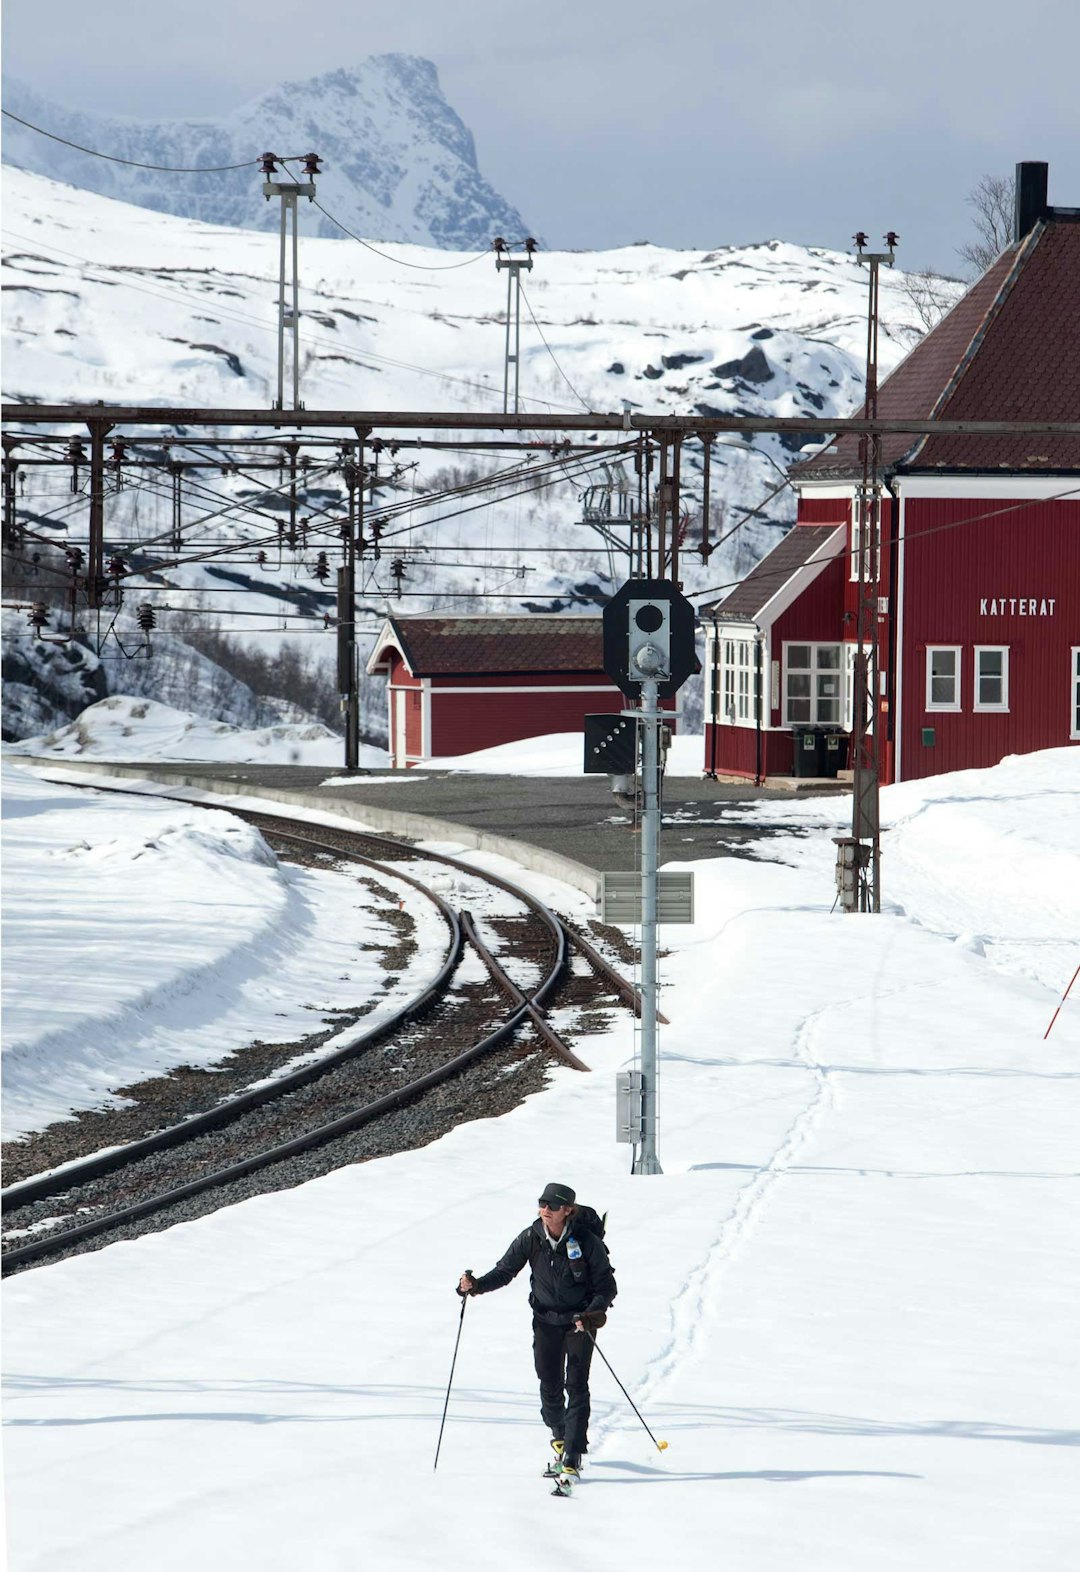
458,684
978,593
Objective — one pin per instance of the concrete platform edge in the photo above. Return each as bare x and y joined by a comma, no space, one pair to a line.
393,821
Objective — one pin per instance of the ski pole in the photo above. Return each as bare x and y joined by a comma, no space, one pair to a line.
453,1362
661,1446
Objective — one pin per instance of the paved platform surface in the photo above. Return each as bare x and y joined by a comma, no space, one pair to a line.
577,817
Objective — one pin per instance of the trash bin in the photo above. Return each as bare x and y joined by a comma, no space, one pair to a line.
832,757
806,744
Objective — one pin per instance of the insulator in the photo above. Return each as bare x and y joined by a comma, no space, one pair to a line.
260,558
498,244
530,245
117,568
269,164
861,239
145,617
322,567
76,452
892,240
311,165
38,615
75,557
397,568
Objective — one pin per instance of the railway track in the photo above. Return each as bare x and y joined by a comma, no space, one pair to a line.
459,1049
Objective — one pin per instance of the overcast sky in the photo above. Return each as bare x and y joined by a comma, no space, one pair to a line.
686,122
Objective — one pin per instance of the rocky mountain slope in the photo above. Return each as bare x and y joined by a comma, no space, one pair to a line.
399,163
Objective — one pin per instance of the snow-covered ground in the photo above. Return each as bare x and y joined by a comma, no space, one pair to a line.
848,1304
142,934
560,753
121,727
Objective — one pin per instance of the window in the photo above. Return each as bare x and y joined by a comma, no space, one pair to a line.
744,679
991,677
1075,706
943,677
850,653
738,682
728,669
812,684
873,556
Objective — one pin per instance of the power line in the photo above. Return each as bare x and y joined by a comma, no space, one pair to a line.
551,352
783,574
134,163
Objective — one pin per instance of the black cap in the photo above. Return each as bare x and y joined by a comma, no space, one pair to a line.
557,1195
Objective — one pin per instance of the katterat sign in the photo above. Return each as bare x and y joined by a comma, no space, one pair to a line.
1014,606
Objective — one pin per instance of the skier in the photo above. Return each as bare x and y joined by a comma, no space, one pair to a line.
572,1289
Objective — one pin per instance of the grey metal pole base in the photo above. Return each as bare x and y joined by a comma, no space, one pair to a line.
647,1163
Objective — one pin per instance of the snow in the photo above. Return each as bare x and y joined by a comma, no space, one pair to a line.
120,900
848,1304
558,753
121,727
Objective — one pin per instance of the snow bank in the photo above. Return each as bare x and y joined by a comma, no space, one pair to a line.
125,728
560,753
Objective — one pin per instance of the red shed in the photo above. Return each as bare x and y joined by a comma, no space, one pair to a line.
978,606
458,684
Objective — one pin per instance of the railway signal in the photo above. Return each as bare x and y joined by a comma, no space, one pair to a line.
649,654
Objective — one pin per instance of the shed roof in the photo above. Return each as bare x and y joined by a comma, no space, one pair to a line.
1008,350
792,554
461,646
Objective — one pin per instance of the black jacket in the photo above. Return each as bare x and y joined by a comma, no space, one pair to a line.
561,1288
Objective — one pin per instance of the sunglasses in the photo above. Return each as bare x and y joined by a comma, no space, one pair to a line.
546,1206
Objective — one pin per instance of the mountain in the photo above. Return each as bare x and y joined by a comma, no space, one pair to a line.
399,163
108,301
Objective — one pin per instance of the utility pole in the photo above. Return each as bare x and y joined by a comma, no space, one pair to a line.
347,665
646,1160
288,191
859,858
649,653
514,265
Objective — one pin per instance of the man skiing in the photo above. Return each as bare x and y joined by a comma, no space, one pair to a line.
572,1288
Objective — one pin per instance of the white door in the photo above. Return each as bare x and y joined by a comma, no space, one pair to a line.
399,728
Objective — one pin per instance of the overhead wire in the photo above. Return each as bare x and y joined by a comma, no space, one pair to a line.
232,314
134,163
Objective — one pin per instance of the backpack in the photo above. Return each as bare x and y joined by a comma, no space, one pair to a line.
586,1221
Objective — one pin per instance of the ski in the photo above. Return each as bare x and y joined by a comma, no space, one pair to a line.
562,1488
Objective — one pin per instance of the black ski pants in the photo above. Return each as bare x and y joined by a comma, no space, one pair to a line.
562,1358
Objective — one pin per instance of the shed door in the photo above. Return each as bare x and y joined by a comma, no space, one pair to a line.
399,728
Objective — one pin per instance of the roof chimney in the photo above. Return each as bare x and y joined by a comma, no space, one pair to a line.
1030,203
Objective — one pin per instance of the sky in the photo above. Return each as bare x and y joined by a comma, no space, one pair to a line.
697,123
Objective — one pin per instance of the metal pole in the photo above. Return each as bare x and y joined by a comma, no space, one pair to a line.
517,339
295,304
280,402
646,1160
506,355
95,565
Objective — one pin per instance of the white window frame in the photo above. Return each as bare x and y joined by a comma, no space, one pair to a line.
873,563
1074,710
955,705
814,671
736,697
1001,708
744,670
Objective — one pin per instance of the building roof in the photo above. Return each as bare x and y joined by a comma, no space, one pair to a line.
463,646
791,555
1008,350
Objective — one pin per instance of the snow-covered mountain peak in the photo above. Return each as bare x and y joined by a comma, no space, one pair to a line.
399,163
